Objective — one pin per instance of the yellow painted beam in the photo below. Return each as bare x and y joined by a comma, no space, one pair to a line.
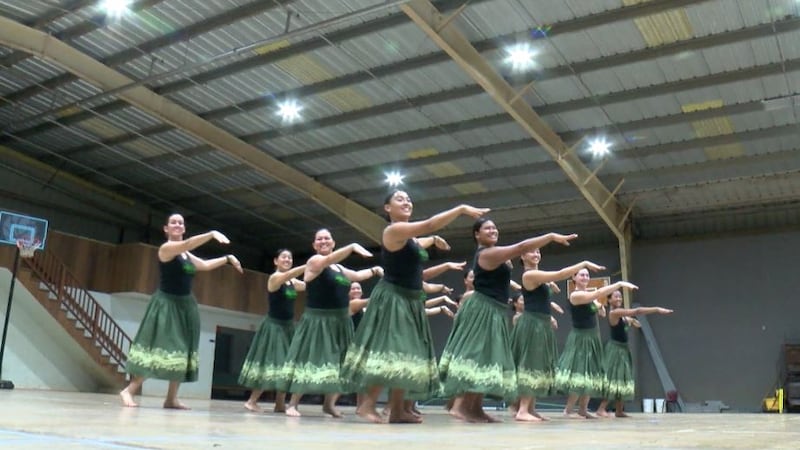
20,37
455,44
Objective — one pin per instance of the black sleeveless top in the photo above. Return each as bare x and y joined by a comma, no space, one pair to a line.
404,267
537,300
176,275
583,316
329,290
281,302
619,332
492,283
356,318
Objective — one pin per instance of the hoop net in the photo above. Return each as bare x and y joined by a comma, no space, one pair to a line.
26,248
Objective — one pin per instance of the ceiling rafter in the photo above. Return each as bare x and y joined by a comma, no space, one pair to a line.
20,37
132,53
644,54
550,192
256,60
497,119
571,137
572,25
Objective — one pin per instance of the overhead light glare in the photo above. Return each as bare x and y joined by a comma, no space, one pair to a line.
520,57
599,147
115,9
394,179
289,110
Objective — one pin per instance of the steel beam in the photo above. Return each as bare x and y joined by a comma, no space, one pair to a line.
639,10
20,37
455,44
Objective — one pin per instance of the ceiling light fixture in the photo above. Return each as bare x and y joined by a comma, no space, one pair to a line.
394,179
599,147
115,9
289,110
520,57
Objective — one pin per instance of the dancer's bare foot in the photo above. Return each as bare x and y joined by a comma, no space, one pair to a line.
279,408
369,414
252,407
403,417
127,399
539,416
572,415
621,415
602,413
470,417
524,416
332,411
456,413
292,411
175,405
488,418
587,415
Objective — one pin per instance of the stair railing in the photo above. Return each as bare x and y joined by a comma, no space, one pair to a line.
77,301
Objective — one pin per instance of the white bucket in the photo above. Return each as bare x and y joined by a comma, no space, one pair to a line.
647,405
660,403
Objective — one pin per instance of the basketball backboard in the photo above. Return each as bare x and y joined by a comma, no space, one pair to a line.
15,227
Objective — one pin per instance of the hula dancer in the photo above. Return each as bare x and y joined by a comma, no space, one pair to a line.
262,366
165,346
477,358
580,368
393,346
357,304
319,344
533,341
618,381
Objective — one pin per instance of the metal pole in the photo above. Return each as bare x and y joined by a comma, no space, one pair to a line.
5,384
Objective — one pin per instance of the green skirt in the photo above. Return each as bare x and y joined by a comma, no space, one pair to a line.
477,357
618,380
165,347
267,355
580,368
314,362
533,344
393,346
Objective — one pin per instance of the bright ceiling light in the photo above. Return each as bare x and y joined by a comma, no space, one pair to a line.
599,147
115,9
520,57
289,110
394,179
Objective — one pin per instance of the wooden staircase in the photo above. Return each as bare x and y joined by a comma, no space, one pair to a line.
52,284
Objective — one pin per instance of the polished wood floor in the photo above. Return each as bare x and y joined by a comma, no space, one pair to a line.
57,420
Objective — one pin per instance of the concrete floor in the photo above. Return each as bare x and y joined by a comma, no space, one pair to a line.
48,420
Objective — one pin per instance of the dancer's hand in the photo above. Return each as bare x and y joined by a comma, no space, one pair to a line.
357,248
440,243
593,267
473,211
562,239
219,237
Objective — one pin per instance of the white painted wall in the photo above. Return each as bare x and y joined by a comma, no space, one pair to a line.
128,308
41,355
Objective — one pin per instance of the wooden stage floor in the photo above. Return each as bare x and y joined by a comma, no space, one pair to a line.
58,420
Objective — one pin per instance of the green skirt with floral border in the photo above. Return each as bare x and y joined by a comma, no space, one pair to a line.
580,368
618,382
477,357
393,346
267,355
533,344
165,346
314,362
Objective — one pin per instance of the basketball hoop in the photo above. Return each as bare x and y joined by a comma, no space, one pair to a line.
26,248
